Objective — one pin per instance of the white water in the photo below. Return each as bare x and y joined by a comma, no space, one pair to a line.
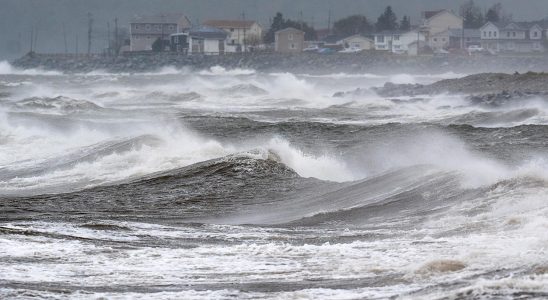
505,231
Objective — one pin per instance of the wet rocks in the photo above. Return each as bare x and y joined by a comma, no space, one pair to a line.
482,88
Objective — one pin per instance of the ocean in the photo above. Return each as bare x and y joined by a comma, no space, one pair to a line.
237,184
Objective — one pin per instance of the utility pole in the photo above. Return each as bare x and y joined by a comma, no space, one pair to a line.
35,38
109,48
31,38
301,20
243,18
116,41
65,37
76,45
90,30
329,22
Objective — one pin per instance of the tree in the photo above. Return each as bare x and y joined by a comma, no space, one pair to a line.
405,23
471,13
356,24
387,21
279,23
494,13
159,45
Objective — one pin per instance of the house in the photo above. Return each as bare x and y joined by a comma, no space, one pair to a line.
145,30
357,41
206,40
434,22
455,39
518,37
464,38
241,33
179,42
418,47
397,41
289,40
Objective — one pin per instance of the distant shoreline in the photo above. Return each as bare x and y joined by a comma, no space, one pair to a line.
311,63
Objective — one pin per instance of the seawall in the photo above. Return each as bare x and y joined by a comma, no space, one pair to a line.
312,63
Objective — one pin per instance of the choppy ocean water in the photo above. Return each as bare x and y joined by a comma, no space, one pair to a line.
235,184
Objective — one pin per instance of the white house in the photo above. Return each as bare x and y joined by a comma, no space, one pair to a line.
357,41
145,30
397,41
206,40
241,33
521,37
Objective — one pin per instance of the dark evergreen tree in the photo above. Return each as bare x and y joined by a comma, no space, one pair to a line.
471,13
405,24
279,23
387,21
494,14
356,24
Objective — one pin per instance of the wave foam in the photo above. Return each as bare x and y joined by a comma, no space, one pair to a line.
7,69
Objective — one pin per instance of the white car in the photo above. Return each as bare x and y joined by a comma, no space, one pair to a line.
350,50
475,48
313,48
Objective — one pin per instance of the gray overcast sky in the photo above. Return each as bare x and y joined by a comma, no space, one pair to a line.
17,16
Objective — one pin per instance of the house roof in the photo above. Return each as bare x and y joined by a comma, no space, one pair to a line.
356,36
207,32
167,18
469,33
230,23
430,13
391,32
290,29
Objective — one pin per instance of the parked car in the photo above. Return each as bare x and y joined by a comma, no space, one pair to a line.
475,48
350,50
326,51
313,48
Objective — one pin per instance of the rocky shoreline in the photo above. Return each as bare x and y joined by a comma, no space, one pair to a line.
485,88
312,63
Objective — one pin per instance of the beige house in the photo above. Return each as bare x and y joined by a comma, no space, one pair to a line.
289,40
248,33
357,42
435,22
145,30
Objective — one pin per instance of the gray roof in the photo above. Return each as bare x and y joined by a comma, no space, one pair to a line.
469,33
290,29
207,32
167,18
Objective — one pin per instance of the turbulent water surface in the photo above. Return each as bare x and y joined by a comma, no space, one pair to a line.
236,184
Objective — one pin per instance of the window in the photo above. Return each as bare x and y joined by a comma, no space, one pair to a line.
514,34
290,37
490,33
508,34
292,46
380,38
495,34
171,27
147,26
137,26
535,34
157,27
396,38
443,39
485,34
231,29
435,39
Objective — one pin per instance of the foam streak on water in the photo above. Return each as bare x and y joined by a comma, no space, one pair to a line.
236,184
